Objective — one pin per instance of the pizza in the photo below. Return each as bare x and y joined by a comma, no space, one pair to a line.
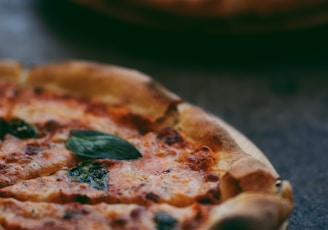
216,16
87,145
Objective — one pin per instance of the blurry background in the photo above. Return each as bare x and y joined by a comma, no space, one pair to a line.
272,85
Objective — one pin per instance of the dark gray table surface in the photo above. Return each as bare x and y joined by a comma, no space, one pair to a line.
272,87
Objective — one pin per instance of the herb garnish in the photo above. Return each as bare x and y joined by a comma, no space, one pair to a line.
100,145
18,128
164,221
92,173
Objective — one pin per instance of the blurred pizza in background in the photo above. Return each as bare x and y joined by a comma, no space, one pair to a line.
216,15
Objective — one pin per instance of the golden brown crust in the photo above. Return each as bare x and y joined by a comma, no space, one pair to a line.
247,146
245,170
250,211
106,83
202,128
10,70
250,188
218,135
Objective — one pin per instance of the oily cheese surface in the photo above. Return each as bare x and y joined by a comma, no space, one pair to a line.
192,173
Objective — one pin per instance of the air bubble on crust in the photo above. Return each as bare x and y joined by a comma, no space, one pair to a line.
278,184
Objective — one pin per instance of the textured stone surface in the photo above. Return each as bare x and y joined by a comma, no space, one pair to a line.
272,87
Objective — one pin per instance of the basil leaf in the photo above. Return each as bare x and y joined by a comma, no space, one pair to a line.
18,128
21,129
99,145
3,128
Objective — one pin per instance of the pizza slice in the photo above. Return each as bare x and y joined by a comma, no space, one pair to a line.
80,149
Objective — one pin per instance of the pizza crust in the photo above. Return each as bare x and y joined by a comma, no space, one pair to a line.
10,70
250,179
251,211
252,192
107,84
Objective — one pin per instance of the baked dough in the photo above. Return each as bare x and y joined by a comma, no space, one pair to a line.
251,195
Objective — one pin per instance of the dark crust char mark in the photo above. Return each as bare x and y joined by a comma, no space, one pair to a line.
169,136
202,158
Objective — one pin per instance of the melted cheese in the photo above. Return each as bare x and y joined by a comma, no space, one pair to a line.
172,171
43,215
153,178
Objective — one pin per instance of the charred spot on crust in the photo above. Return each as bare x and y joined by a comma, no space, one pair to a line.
152,196
118,222
167,171
125,117
96,109
201,159
75,210
169,136
17,157
68,215
51,126
164,221
38,90
212,177
34,148
92,173
48,127
2,166
211,197
137,212
142,124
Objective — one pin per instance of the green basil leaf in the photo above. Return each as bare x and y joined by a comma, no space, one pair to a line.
3,128
99,145
21,129
18,128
